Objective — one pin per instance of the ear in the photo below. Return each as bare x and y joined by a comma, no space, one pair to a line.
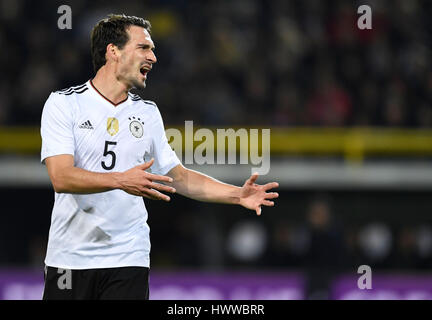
112,52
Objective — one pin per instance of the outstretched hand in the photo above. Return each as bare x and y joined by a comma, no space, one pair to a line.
253,196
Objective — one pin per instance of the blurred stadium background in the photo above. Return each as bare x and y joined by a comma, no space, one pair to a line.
351,143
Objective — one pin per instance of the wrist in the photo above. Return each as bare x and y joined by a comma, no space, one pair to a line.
116,178
238,199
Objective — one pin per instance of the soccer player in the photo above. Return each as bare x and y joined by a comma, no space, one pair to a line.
105,149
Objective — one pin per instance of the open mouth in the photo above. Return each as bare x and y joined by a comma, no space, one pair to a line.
144,71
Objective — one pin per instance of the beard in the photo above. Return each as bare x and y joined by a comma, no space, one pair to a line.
138,84
132,79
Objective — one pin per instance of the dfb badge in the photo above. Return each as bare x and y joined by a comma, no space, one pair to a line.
136,127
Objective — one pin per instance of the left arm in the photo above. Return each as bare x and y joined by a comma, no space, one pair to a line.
198,186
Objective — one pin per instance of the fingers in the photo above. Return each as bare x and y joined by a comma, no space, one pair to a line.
155,195
258,210
270,185
252,179
268,203
156,177
272,195
151,191
152,176
162,187
146,165
149,197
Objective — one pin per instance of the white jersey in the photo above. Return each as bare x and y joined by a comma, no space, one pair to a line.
108,229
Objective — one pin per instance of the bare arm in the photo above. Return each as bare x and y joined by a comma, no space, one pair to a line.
66,178
198,186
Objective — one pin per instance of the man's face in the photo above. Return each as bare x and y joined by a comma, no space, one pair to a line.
136,58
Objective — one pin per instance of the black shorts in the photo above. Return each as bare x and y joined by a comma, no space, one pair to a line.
125,283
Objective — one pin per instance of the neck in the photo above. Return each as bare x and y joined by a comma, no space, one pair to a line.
109,86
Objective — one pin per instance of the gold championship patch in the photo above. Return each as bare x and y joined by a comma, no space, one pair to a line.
112,126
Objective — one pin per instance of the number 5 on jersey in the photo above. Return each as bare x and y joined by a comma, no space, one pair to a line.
109,153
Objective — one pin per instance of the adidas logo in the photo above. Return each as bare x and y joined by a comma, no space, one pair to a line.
86,125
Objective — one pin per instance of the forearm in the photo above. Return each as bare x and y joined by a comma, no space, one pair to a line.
77,180
198,186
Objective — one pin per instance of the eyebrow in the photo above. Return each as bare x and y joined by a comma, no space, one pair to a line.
145,46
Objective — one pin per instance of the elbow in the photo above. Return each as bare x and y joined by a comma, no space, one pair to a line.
58,185
60,172
59,190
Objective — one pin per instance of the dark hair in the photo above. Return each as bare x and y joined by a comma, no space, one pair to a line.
112,30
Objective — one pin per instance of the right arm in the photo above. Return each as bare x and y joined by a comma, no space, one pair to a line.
66,178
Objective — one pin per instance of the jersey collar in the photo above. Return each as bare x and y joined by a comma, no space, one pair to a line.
98,92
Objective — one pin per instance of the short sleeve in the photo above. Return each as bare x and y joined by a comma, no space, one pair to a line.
56,128
164,156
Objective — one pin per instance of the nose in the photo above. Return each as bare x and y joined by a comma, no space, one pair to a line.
151,57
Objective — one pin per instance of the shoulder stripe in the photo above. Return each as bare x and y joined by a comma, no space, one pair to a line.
76,89
81,90
77,92
72,88
134,96
150,102
65,90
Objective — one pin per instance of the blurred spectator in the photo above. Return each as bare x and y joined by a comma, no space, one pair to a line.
326,252
227,63
326,248
330,105
287,105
